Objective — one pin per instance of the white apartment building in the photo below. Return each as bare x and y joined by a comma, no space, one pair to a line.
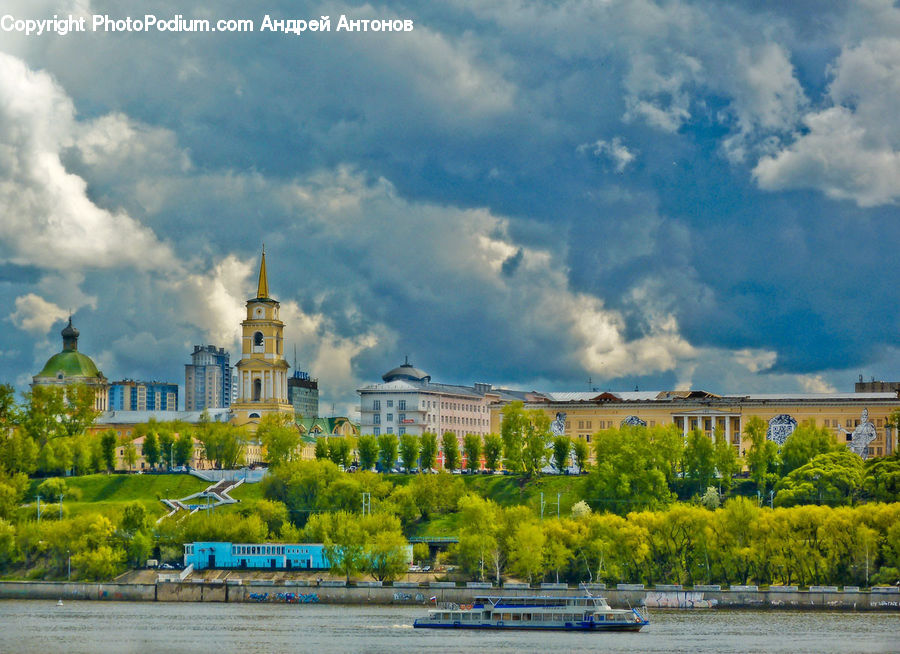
408,402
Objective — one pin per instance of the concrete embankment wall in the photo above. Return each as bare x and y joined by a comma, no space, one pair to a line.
412,595
54,590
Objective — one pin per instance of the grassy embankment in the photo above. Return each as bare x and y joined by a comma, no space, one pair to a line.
108,494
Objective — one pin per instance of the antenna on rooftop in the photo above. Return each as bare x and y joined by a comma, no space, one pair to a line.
295,356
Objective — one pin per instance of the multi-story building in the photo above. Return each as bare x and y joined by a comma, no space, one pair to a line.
72,367
303,393
862,420
262,372
408,402
131,395
875,386
207,379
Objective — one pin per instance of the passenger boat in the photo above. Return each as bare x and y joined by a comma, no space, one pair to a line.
535,612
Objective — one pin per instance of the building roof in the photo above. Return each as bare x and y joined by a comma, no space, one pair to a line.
71,363
407,372
138,417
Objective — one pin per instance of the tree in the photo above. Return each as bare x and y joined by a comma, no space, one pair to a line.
806,442
167,447
343,539
562,444
631,470
53,412
386,555
223,443
150,449
339,450
18,452
478,534
409,451
367,446
493,448
833,478
280,436
428,451
526,550
134,518
882,478
472,449
450,448
762,458
9,410
52,488
512,431
47,462
387,452
699,460
131,455
108,448
184,448
321,449
727,462
537,436
582,453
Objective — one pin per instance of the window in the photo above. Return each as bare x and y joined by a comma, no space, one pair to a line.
389,417
401,405
258,341
376,405
401,430
376,419
390,430
257,389
390,403
376,431
401,417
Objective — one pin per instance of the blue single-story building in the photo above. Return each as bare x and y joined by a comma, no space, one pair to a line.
269,556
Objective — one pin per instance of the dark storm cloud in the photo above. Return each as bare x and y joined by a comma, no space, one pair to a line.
359,160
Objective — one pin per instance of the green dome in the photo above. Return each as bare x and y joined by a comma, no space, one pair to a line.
71,363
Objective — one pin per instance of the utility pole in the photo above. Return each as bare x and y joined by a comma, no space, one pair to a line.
39,508
367,504
557,505
542,505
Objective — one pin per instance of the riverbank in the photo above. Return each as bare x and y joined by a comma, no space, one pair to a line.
412,593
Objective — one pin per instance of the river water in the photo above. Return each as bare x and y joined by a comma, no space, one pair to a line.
28,626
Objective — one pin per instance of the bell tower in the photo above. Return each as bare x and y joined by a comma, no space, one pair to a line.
262,372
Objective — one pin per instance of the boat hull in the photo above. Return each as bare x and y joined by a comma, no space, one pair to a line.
637,626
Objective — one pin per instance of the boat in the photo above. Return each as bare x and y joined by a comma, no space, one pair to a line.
59,602
535,612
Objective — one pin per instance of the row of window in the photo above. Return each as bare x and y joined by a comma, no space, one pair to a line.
264,550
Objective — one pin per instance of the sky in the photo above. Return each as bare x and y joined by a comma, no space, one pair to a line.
547,195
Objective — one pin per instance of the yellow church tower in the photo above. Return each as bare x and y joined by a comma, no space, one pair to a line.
262,372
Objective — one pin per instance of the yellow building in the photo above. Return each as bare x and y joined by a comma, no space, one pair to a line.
262,372
72,367
858,419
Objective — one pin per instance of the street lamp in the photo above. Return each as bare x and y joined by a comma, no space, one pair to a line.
69,558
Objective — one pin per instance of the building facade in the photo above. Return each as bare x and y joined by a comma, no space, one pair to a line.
303,394
262,372
72,367
131,395
861,420
207,379
408,402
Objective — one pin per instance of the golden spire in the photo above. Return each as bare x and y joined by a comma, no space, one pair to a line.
263,289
